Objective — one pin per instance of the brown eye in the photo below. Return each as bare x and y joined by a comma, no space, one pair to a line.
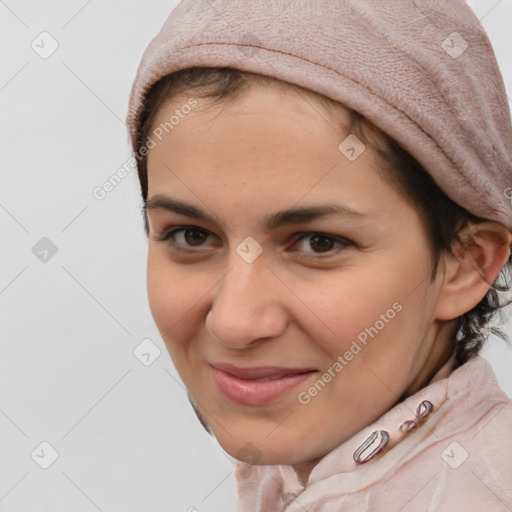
194,236
321,243
185,238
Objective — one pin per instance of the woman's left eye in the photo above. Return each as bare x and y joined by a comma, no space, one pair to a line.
322,243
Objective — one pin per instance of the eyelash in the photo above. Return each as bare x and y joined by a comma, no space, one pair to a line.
167,236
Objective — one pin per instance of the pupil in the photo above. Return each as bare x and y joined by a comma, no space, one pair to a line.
317,239
191,240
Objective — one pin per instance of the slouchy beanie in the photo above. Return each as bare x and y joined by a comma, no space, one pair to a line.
422,71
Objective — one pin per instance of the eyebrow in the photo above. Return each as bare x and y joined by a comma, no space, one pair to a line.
271,222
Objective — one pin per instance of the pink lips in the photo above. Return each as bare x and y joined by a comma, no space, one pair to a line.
257,385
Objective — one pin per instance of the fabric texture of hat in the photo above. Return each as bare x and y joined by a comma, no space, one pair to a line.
423,71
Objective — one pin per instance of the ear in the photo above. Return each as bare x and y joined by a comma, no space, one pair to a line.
471,271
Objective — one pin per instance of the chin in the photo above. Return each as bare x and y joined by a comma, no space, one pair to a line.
264,452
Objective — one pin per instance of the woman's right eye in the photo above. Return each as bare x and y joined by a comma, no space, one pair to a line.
184,238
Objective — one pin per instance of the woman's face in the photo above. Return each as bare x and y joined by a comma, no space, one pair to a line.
273,250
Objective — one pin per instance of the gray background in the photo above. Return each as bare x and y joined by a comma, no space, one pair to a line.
126,436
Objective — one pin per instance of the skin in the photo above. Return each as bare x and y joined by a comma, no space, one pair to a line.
268,151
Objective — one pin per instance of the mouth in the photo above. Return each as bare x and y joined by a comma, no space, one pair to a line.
258,385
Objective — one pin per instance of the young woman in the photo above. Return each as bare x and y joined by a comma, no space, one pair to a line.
326,190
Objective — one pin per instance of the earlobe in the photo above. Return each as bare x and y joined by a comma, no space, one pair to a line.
471,271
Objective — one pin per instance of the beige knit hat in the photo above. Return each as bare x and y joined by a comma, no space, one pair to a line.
423,71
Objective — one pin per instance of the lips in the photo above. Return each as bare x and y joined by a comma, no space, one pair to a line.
258,385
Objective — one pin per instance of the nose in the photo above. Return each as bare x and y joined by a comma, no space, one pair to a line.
246,306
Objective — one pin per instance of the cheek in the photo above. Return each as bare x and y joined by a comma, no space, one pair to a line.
171,295
159,284
342,308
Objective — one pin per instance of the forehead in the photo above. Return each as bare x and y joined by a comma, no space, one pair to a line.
270,143
261,95
264,121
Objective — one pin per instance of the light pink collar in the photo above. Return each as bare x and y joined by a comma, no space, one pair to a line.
396,437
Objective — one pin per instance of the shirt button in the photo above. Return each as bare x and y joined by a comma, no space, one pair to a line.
371,446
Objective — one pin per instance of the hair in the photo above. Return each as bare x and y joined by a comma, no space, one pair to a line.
442,218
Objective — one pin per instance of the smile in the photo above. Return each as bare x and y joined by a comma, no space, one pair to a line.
257,386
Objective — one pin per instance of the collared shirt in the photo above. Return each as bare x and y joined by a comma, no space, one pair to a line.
446,448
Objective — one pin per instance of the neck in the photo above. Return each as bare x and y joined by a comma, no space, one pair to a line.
441,352
303,469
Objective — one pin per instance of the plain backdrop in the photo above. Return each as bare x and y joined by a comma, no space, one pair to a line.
72,280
